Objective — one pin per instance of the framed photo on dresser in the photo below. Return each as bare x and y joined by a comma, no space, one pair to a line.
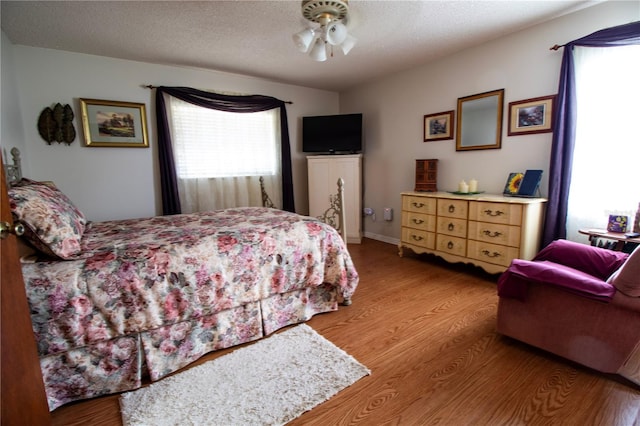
513,183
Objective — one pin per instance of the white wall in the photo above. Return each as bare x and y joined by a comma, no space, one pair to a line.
117,183
11,127
394,107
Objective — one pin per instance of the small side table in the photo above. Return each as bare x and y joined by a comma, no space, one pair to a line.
617,237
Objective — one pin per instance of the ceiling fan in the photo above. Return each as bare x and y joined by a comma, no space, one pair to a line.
327,28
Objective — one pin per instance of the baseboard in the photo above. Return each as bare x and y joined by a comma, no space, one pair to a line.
383,238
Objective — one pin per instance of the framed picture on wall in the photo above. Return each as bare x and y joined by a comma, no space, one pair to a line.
114,124
530,116
438,126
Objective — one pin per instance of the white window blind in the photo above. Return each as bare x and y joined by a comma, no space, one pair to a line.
212,144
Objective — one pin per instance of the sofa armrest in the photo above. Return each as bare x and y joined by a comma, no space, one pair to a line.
514,281
596,261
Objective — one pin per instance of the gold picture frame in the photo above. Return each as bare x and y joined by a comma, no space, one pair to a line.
438,127
114,124
531,116
479,121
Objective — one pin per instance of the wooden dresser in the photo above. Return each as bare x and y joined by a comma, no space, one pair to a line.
483,229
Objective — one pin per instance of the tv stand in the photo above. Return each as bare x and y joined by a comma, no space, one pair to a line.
333,152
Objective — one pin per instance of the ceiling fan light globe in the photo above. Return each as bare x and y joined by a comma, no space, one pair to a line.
303,39
336,33
318,51
348,44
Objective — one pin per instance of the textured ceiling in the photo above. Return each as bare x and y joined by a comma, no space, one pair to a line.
254,37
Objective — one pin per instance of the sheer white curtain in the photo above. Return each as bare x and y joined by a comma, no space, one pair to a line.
220,156
605,180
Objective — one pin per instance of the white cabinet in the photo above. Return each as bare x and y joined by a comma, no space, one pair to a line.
324,172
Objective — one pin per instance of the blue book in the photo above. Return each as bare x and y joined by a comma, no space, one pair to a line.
530,183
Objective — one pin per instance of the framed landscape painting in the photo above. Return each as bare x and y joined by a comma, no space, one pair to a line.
114,124
438,126
530,116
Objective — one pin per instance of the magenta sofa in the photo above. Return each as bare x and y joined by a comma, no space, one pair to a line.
577,301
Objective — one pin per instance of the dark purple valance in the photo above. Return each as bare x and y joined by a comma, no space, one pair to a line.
565,125
622,35
228,103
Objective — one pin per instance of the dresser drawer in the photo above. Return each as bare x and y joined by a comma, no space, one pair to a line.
422,221
495,233
451,226
419,204
491,253
453,208
506,213
453,245
418,237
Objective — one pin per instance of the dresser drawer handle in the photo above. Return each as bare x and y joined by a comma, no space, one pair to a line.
490,234
451,227
450,245
418,205
418,221
489,254
489,212
452,208
417,237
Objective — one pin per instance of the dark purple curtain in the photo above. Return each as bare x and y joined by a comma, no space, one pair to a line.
239,104
565,128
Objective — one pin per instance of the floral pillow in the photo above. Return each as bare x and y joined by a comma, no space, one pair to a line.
52,223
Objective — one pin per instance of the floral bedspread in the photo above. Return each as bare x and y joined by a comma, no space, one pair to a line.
139,275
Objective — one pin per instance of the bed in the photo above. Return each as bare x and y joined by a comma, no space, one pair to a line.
114,303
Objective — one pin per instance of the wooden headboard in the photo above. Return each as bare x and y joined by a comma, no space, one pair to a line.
13,170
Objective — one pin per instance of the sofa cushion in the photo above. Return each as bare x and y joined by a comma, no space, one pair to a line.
596,261
627,277
521,272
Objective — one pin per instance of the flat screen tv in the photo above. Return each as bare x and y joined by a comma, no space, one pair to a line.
332,134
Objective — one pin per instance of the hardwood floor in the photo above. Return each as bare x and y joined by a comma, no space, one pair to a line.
426,329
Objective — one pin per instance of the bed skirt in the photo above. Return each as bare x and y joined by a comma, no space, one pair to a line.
119,364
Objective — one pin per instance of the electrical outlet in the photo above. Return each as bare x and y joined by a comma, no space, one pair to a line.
388,213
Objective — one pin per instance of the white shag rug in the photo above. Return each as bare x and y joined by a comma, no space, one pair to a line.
270,382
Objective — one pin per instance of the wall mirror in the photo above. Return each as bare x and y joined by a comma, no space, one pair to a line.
479,123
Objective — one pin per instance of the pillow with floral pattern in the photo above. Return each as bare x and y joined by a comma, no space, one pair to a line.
53,224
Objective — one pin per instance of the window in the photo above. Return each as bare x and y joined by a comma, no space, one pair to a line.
220,156
210,144
603,182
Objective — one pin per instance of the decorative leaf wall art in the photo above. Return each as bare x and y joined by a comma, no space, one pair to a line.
57,124
47,125
68,131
